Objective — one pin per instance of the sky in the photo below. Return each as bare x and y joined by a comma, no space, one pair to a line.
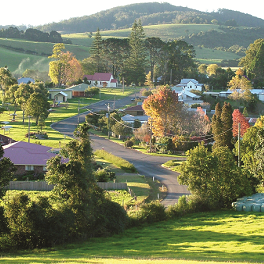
34,13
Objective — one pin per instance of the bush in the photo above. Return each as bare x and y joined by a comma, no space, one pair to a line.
119,162
129,143
104,175
150,213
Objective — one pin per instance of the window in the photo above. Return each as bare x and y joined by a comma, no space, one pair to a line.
44,168
29,167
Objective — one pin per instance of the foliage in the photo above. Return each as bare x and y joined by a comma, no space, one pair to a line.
134,66
163,109
7,170
214,176
31,34
149,213
238,118
129,143
222,125
104,175
117,161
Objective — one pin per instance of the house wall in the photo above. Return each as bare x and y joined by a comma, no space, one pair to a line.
22,170
59,98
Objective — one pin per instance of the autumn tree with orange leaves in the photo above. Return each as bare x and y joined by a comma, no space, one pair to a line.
163,109
64,68
238,117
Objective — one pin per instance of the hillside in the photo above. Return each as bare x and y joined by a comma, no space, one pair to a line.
151,14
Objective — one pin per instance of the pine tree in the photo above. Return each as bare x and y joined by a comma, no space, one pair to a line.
134,70
222,126
96,51
227,122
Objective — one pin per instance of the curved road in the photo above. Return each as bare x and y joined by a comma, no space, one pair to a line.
145,164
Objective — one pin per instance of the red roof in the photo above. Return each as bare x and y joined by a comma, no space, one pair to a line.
24,153
101,77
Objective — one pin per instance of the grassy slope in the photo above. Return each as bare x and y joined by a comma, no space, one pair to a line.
81,42
215,237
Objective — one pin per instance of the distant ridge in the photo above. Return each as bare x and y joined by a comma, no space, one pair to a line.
150,14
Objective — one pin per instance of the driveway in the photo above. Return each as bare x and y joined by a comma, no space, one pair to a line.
145,164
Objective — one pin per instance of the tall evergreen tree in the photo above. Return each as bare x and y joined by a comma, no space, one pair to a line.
227,122
134,70
222,126
96,51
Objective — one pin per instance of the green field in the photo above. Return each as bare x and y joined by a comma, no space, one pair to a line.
216,237
18,62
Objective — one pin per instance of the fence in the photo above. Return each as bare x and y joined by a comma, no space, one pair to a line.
44,186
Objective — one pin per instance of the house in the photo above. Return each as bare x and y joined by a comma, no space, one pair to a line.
188,85
136,110
59,94
184,89
25,80
101,80
28,157
258,92
78,90
130,118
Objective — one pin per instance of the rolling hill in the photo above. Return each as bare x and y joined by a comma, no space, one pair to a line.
217,36
151,14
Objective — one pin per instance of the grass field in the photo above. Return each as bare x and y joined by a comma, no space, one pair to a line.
19,130
19,61
216,237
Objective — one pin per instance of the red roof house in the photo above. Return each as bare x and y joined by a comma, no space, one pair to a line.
28,156
101,80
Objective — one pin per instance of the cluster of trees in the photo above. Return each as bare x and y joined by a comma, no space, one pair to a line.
32,97
31,34
79,208
130,58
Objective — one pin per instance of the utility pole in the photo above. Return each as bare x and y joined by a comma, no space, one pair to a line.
108,120
238,147
150,143
29,129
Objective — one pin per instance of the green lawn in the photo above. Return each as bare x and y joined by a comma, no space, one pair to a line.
56,139
216,237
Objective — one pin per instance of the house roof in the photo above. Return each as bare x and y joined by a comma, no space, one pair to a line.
80,87
135,108
24,153
185,81
99,76
25,80
130,118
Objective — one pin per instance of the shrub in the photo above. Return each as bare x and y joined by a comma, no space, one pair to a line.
104,175
152,212
129,143
117,161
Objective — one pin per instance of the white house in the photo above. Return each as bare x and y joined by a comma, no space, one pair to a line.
258,92
184,89
189,84
101,80
60,93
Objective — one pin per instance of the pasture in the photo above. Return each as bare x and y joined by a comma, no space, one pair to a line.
211,238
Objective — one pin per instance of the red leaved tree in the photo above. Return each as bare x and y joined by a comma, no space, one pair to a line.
238,117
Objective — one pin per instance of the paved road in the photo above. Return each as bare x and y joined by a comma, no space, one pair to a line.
145,164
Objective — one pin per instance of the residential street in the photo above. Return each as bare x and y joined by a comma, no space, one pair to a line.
145,164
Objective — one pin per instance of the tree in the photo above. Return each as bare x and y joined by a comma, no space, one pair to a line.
134,69
214,177
6,172
37,105
238,118
6,80
75,185
115,51
96,51
153,46
222,125
253,61
176,61
163,109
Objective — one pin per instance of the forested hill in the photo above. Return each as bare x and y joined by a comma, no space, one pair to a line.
151,14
